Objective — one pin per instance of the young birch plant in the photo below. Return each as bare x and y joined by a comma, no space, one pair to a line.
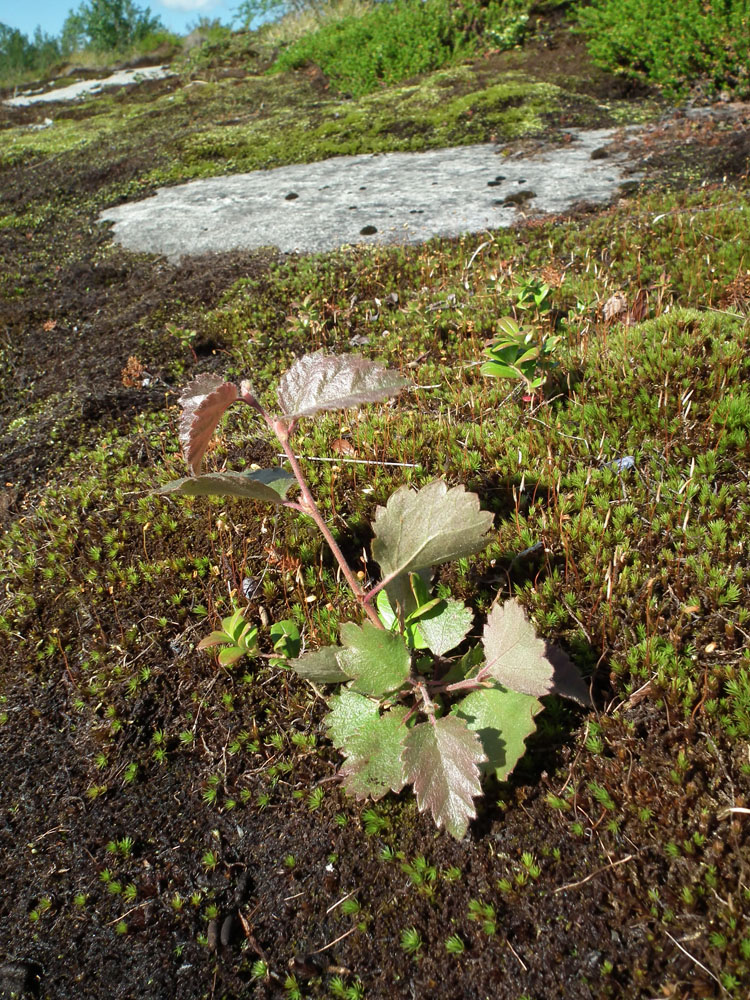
408,709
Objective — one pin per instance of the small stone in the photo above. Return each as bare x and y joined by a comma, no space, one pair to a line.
291,196
212,934
367,230
519,198
599,154
244,884
227,931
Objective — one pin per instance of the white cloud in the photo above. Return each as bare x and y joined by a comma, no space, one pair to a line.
188,4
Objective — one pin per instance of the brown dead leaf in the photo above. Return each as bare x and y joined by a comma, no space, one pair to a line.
343,447
639,310
49,325
614,306
132,373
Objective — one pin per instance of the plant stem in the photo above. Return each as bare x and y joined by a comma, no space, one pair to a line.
308,506
367,598
467,684
429,705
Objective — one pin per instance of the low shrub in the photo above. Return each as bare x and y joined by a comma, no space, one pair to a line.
395,41
675,45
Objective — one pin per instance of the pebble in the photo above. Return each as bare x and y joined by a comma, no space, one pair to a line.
244,885
227,931
213,934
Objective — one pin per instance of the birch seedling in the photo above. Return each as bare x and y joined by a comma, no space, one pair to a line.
415,702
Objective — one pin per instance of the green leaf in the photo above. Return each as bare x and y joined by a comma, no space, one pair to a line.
503,720
285,637
508,326
385,612
349,712
442,760
437,524
422,609
270,485
465,667
496,370
230,655
334,382
414,638
445,626
373,765
420,589
321,666
234,624
521,661
215,639
378,660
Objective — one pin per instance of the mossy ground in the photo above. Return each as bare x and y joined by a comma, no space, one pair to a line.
140,781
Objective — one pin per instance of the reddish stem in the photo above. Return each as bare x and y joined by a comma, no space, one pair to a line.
309,507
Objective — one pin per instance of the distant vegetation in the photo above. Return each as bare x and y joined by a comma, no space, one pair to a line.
97,26
674,44
362,44
394,41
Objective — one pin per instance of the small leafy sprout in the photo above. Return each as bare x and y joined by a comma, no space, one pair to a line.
517,355
315,798
484,914
292,988
374,823
236,637
351,906
286,641
411,941
210,860
533,294
530,865
290,861
121,927
410,708
259,969
454,945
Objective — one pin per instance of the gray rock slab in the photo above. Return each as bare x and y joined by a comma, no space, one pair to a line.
84,88
392,198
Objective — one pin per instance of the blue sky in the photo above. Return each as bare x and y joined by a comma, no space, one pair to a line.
50,14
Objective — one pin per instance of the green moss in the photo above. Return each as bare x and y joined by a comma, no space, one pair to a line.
445,109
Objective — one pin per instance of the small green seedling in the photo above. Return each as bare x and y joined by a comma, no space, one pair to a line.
416,702
237,637
533,294
519,355
286,641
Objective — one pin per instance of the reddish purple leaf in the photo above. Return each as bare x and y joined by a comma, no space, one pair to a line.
521,661
334,382
204,402
441,760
